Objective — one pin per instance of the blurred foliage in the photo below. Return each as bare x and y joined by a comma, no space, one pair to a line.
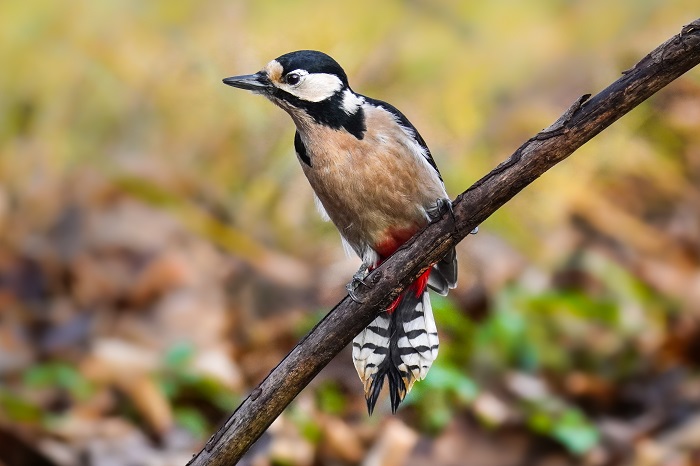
59,375
159,249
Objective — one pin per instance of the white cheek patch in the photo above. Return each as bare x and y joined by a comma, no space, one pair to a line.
315,87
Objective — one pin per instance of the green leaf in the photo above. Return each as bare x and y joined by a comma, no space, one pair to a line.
61,375
308,427
192,420
18,409
575,432
451,379
179,355
330,399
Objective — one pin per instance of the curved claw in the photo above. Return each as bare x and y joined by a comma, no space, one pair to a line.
357,280
441,206
351,292
445,205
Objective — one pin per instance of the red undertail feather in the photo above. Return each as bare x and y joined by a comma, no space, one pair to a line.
418,287
393,240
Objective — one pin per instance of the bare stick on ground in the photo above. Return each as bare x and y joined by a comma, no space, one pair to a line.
582,121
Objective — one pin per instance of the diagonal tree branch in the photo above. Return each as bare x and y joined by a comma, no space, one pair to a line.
582,121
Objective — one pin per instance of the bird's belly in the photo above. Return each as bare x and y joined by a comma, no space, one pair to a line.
375,200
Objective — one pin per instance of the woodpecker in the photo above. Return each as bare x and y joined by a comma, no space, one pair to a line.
373,176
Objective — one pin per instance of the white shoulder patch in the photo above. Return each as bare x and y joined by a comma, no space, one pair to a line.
351,101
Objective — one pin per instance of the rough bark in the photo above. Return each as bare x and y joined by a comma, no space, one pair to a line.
582,121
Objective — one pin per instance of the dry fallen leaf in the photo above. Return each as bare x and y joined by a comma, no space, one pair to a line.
393,446
150,402
340,440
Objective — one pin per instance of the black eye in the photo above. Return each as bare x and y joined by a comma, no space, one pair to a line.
292,79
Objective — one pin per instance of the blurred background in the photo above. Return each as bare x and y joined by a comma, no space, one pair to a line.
160,251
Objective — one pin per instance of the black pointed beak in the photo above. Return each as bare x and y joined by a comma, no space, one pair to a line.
258,82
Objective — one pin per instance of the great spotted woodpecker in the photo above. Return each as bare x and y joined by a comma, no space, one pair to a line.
374,177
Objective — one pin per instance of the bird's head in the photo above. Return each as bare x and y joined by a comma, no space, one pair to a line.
305,82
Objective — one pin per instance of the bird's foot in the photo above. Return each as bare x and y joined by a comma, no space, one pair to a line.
441,206
445,205
357,280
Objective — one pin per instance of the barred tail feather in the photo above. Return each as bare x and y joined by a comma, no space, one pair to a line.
400,345
369,353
